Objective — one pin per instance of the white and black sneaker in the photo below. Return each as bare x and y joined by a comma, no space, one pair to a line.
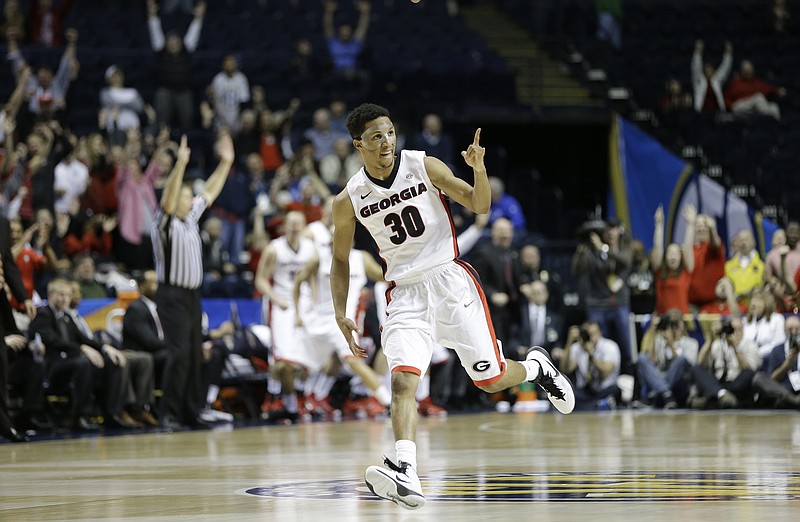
556,384
212,416
399,483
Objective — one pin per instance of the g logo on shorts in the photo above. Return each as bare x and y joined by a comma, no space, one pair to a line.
481,366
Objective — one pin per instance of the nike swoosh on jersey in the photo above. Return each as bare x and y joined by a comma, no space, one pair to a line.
363,196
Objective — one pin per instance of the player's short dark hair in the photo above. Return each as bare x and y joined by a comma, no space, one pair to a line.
359,117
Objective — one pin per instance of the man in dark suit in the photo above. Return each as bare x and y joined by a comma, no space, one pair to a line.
539,324
142,329
498,266
138,376
76,361
530,258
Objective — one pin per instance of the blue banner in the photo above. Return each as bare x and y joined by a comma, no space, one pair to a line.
645,175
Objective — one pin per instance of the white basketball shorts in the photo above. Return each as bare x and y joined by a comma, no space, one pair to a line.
446,305
288,343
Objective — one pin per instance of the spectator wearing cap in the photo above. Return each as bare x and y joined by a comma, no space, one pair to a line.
120,106
602,265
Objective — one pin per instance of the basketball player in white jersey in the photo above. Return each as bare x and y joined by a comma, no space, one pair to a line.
282,259
320,331
433,296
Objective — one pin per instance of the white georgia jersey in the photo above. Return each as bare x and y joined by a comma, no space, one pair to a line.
407,216
288,263
323,241
321,235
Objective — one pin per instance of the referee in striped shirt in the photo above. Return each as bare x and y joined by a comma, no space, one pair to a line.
178,257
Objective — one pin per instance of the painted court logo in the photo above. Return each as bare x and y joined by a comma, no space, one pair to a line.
586,487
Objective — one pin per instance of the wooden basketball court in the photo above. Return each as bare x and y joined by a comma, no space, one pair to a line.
625,465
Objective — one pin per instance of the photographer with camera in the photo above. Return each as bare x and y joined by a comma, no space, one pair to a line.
594,363
666,357
601,263
726,366
780,381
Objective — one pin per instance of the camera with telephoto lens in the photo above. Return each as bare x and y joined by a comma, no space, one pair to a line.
666,324
584,333
726,328
593,226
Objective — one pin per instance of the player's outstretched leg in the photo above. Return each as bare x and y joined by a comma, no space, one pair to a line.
399,483
556,384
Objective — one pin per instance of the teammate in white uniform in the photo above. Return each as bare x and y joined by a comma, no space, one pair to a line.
282,259
433,296
320,331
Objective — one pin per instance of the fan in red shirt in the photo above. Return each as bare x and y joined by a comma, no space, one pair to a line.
30,261
673,268
748,94
709,261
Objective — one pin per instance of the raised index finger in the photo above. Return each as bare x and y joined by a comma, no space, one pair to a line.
477,137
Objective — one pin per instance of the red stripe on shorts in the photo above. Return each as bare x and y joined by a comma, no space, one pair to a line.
473,275
391,287
407,369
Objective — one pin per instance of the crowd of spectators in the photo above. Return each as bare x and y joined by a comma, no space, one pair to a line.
81,206
714,90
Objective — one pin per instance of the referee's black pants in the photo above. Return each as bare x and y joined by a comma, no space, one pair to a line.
181,314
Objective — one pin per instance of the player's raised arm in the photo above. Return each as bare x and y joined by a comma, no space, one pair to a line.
476,197
172,187
344,220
